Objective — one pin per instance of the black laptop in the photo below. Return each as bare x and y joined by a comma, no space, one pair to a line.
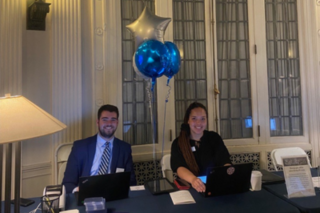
228,180
110,186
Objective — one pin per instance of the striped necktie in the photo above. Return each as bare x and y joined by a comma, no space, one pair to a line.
105,160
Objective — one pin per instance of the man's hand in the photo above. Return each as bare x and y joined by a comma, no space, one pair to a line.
75,189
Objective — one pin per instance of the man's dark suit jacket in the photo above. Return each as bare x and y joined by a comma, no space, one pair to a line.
81,159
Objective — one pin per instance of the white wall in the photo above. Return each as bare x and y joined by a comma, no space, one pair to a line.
36,86
45,67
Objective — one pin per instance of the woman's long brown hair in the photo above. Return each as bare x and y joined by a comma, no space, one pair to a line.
184,138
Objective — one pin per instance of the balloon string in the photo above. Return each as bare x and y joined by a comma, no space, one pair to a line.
168,81
164,118
151,102
131,6
169,90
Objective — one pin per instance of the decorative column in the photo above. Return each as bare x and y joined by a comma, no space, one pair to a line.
106,51
10,47
316,147
99,50
309,31
66,68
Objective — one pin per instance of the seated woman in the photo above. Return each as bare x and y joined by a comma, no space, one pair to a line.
197,149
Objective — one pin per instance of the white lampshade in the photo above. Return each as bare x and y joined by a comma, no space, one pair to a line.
20,119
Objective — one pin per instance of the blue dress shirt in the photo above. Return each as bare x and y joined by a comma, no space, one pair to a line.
101,144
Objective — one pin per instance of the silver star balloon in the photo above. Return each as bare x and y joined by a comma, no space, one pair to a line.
148,26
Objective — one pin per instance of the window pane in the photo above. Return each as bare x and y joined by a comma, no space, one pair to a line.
283,68
234,69
136,114
190,82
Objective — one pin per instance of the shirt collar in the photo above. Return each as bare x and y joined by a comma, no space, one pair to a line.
101,141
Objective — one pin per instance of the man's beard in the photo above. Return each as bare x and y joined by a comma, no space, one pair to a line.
105,135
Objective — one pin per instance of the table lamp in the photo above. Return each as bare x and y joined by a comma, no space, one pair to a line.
20,119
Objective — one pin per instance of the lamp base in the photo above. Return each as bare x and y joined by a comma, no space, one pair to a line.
8,181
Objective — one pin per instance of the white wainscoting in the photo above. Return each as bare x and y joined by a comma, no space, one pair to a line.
34,178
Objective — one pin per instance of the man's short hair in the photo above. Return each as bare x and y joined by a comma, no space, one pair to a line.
109,108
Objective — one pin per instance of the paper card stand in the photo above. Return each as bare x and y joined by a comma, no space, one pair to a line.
298,176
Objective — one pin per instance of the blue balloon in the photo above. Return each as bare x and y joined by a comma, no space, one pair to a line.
136,70
175,60
152,58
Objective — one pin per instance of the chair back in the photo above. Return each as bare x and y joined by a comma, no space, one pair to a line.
61,158
165,165
276,155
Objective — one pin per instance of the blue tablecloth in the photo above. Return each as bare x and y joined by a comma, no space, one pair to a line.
305,204
143,201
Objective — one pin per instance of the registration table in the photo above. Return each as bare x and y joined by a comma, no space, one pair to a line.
143,201
305,204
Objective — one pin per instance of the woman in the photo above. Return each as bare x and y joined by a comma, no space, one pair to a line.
196,149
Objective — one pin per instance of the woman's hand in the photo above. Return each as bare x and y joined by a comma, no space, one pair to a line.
198,185
188,176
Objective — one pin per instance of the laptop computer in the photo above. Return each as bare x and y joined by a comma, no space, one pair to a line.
109,186
228,180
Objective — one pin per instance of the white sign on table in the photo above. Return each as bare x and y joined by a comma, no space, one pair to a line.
298,176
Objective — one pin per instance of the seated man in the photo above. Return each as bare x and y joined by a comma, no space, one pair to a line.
100,154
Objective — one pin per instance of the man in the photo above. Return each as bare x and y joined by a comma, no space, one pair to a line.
87,156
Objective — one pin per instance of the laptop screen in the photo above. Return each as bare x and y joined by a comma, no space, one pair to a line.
203,179
110,186
228,179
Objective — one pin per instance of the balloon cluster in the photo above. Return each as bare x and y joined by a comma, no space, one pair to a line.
153,56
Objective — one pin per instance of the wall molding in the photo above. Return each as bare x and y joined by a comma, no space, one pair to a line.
36,170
